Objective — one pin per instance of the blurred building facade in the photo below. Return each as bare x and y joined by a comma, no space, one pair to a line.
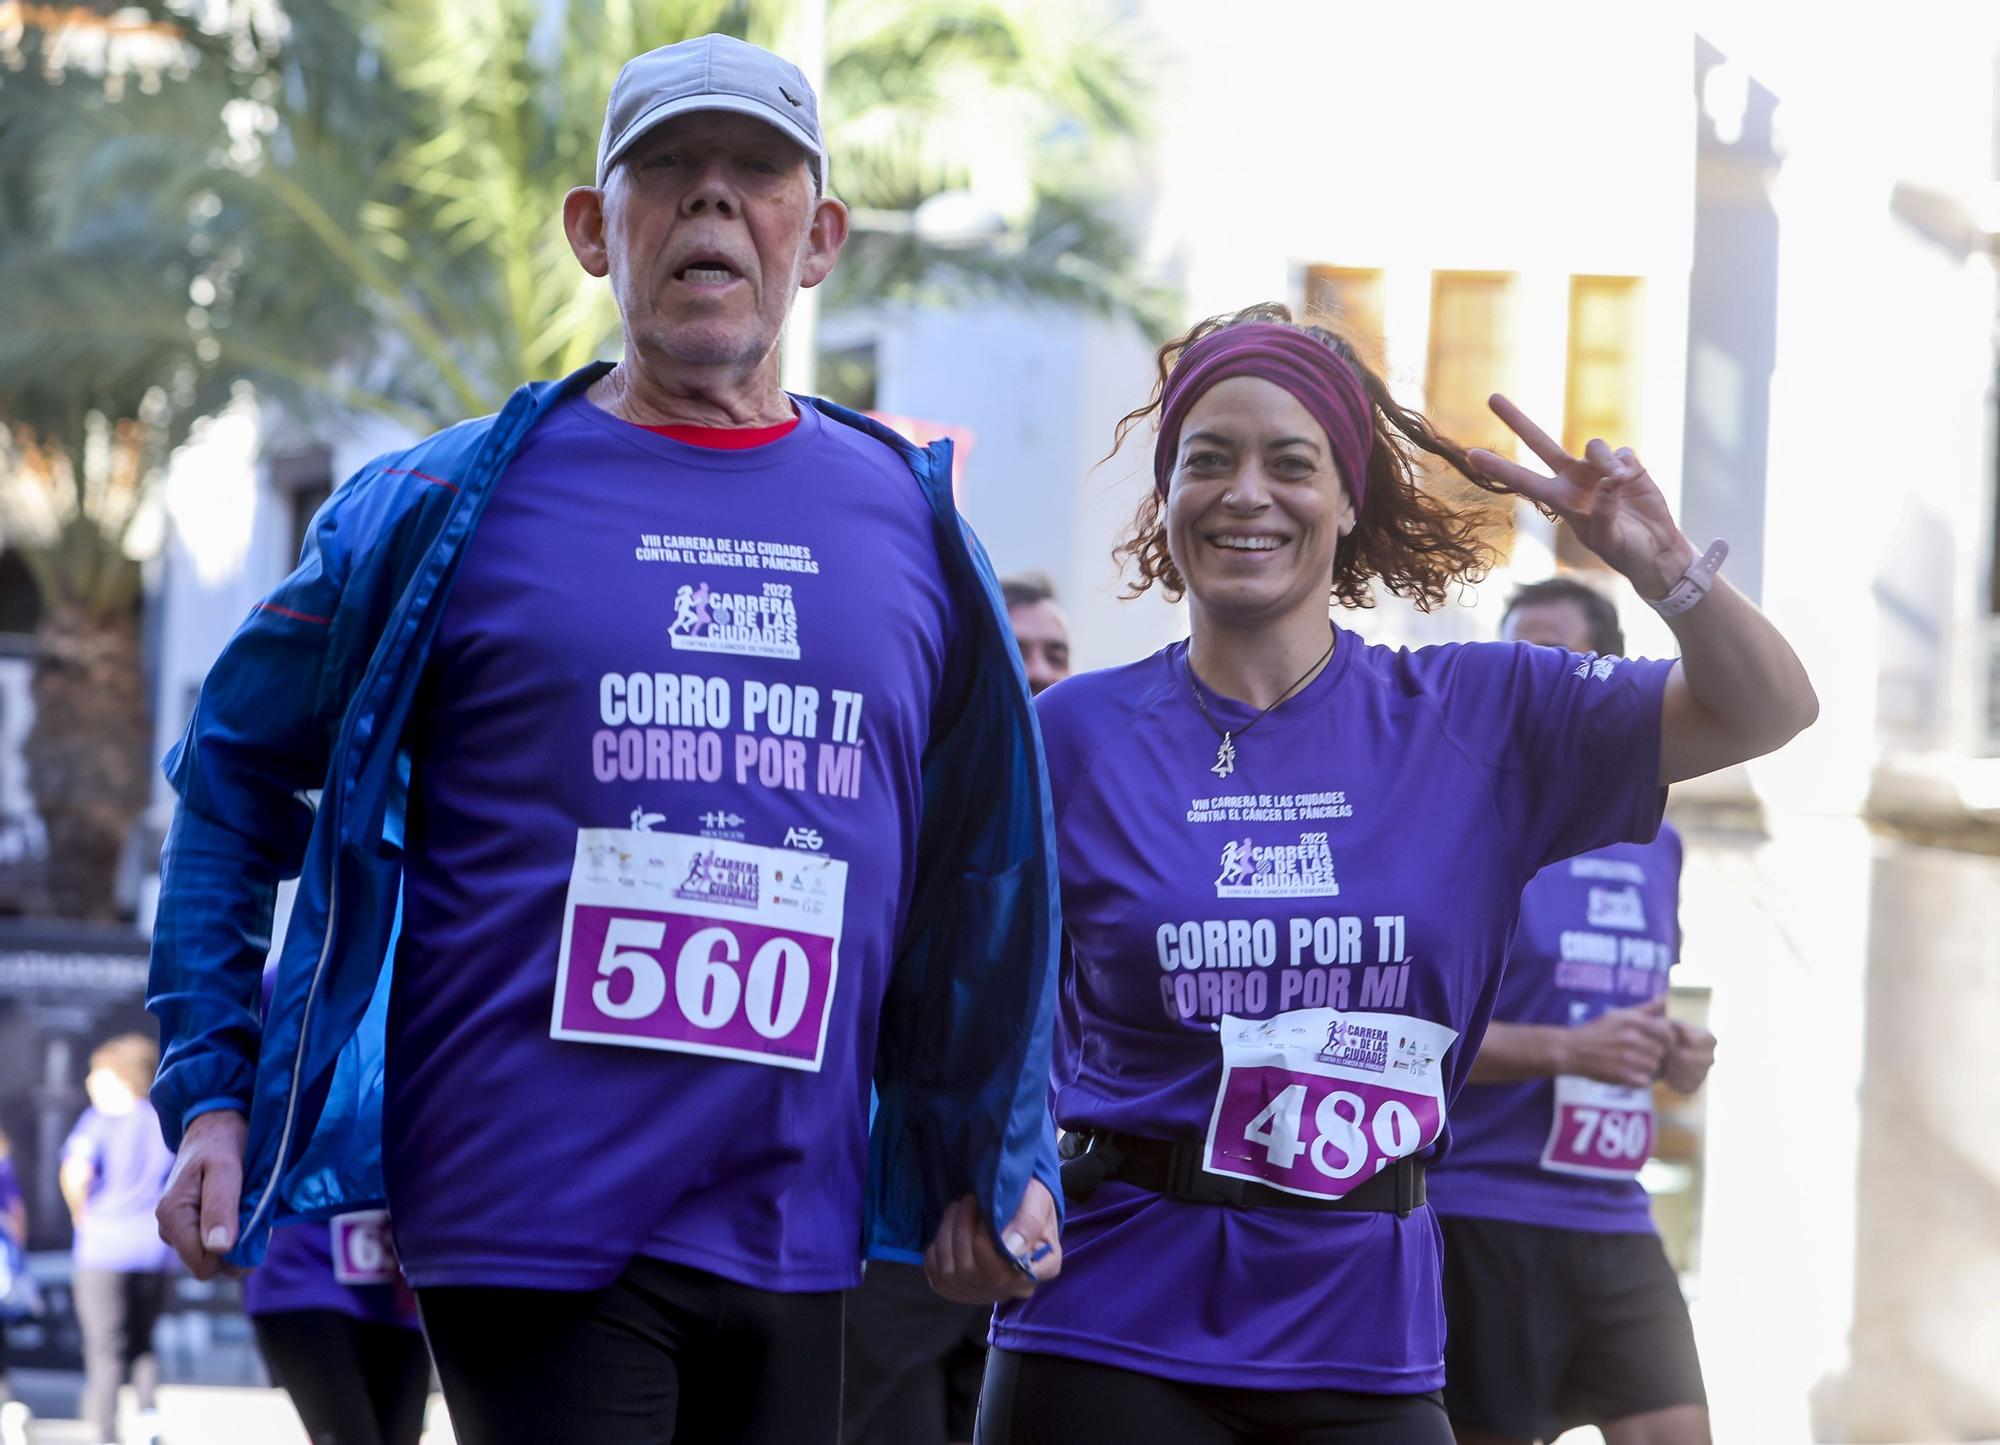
1760,252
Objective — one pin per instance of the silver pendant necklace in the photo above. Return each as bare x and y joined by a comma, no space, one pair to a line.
1225,752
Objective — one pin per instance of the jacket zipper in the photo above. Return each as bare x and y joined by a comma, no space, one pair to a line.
299,1058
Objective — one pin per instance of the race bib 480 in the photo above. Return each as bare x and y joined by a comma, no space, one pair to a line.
1317,1102
699,946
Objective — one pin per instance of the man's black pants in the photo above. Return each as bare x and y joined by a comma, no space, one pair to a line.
662,1354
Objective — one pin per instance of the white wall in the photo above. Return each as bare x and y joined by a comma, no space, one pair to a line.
1040,390
1447,137
1876,516
227,544
1300,133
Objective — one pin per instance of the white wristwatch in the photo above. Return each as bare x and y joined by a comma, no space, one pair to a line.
1694,583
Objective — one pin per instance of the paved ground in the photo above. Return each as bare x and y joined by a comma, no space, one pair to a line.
253,1415
189,1414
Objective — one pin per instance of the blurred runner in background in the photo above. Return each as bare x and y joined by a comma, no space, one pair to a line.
1041,630
338,1326
13,1289
114,1167
913,1359
1561,1308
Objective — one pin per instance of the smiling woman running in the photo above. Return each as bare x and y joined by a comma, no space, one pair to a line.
1291,862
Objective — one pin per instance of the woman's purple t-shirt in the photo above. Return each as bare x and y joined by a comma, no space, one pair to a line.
1366,855
1598,932
129,1163
701,681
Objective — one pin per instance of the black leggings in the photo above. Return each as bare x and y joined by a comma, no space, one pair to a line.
353,1381
662,1354
1050,1400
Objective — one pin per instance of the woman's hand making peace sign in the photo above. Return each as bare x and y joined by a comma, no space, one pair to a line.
1603,496
1738,691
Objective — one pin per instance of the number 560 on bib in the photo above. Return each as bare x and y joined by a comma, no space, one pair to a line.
700,946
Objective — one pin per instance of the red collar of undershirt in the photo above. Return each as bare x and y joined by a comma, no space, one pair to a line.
724,438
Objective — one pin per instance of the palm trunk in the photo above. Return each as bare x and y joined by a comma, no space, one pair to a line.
86,754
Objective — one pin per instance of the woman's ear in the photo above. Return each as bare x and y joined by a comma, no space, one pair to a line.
1347,516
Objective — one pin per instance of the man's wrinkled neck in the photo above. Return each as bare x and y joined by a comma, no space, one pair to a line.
653,392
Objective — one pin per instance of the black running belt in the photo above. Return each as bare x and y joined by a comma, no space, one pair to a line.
1174,1169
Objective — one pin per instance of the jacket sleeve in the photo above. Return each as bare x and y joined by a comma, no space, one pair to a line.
256,747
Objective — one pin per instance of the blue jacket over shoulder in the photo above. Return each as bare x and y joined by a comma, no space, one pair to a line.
313,694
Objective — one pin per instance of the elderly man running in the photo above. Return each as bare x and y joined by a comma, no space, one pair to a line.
670,745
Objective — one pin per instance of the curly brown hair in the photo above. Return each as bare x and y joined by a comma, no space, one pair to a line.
1416,542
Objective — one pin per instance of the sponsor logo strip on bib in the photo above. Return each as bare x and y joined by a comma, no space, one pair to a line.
700,946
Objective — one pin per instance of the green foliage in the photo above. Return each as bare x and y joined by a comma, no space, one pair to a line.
357,202
99,374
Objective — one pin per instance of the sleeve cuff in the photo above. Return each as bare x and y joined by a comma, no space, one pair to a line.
210,1106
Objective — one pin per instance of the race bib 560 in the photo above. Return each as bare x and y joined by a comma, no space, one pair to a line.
700,946
1318,1102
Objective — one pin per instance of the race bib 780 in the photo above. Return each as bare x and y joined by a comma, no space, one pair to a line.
1604,1131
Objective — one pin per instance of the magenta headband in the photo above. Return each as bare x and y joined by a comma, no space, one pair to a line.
1310,370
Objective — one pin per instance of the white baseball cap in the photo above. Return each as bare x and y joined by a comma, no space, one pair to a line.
713,72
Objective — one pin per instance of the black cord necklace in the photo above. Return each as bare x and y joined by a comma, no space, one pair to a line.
1225,752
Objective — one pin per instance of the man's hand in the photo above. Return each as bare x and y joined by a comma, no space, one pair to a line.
1689,1058
1625,1046
197,1214
964,1265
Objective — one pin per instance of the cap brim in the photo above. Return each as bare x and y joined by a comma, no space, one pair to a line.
738,104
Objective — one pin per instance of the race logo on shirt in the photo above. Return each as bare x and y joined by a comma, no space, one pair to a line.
1283,870
714,877
1621,908
749,624
1597,667
1358,1046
